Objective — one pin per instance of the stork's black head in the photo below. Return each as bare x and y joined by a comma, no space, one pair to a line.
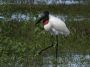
44,15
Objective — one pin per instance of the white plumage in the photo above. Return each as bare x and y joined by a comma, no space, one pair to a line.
56,26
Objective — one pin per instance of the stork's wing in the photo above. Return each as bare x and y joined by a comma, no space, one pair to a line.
58,25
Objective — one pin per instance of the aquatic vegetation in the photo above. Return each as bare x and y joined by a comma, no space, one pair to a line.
21,41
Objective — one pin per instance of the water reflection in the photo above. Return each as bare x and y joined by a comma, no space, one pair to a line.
73,18
20,17
30,17
47,2
68,60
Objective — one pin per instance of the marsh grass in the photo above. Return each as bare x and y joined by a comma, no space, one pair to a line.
66,9
21,41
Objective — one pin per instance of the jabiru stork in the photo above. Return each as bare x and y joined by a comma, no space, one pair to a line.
54,25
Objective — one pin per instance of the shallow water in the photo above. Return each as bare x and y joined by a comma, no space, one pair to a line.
30,17
65,60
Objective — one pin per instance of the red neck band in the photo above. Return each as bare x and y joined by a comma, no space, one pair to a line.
45,21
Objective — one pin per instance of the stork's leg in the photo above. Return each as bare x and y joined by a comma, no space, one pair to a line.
56,48
48,46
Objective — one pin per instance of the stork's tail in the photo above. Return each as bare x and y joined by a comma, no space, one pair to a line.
67,32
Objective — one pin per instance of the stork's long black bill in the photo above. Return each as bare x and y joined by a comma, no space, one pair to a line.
40,19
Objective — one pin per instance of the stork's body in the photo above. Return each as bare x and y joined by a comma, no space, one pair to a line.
56,26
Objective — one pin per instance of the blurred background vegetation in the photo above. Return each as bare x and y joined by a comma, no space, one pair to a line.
20,39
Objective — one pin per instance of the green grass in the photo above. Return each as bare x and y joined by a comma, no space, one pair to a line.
69,10
24,40
20,41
